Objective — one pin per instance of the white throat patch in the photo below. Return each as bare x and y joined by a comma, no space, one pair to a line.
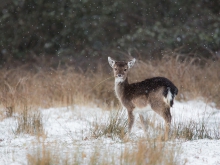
119,80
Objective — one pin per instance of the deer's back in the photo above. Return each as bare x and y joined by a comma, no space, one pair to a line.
150,87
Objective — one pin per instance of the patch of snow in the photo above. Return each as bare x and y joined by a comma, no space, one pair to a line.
203,151
70,127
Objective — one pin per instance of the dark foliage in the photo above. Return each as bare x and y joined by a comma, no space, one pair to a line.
88,27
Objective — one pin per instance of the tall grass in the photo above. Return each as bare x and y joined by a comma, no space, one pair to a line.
184,130
151,152
144,151
49,87
29,122
35,87
116,126
194,130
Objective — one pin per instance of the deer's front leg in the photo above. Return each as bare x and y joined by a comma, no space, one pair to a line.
130,120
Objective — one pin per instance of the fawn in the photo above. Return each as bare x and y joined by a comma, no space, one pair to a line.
158,92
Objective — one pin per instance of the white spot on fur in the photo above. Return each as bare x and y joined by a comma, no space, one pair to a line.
117,81
168,98
143,110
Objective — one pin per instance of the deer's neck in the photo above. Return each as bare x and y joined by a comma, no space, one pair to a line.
120,87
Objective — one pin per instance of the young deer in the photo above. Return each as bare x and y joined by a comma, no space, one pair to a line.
158,92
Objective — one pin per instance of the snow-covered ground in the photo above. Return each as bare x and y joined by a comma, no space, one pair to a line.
69,128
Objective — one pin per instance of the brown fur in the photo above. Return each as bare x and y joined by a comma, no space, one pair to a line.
153,92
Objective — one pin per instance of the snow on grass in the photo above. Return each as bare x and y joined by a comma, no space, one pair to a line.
69,129
195,110
202,151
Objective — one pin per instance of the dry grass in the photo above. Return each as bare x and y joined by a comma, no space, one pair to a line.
46,156
29,122
144,151
191,130
37,87
116,127
48,88
151,152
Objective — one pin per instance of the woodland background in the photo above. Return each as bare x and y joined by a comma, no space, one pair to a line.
76,31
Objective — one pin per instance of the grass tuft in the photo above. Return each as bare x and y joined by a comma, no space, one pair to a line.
143,151
115,127
29,122
194,130
187,130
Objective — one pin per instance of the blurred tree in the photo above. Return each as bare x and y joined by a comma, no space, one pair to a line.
56,27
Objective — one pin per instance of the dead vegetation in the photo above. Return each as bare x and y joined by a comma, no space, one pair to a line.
25,89
66,86
115,128
29,122
144,151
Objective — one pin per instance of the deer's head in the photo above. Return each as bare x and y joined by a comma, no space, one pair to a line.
120,68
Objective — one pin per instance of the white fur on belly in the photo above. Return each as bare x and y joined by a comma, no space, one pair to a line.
143,111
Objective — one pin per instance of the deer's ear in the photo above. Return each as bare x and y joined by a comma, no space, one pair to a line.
111,62
131,63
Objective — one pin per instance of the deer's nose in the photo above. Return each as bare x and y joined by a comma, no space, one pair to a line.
119,75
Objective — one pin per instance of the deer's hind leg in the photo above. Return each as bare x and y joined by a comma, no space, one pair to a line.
143,123
160,107
167,117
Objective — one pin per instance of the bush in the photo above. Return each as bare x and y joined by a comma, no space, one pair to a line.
87,27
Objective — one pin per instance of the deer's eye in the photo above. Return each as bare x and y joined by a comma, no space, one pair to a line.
125,70
115,68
